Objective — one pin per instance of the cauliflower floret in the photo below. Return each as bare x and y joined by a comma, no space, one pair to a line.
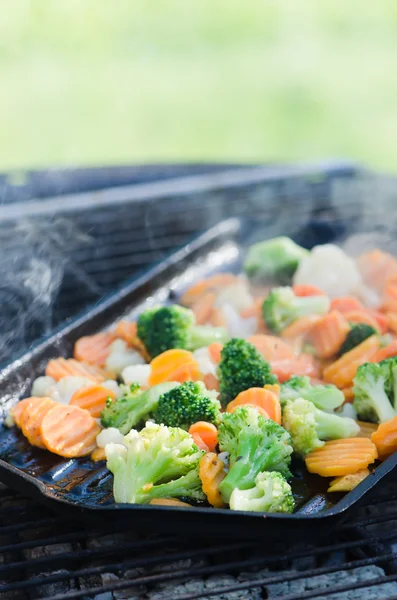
42,385
136,374
331,269
120,356
111,435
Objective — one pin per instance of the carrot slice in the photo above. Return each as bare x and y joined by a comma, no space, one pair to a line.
200,443
62,367
301,327
387,352
346,304
255,310
341,457
217,318
188,371
94,349
210,284
385,438
207,432
389,302
211,382
92,398
98,454
341,372
260,397
31,418
202,308
69,431
391,320
304,364
128,331
271,347
169,502
381,319
329,333
167,363
377,268
215,350
212,473
362,316
307,290
366,429
348,394
17,410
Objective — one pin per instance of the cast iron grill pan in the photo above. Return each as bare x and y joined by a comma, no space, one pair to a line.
79,487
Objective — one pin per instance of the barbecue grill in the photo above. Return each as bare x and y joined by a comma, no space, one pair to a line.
101,238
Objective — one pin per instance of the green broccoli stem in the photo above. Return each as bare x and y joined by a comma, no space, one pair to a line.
309,305
186,485
333,427
203,335
252,459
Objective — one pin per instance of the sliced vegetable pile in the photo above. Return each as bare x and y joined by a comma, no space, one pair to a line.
210,399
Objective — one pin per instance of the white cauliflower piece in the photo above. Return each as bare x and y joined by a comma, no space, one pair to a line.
113,386
236,325
63,390
111,435
236,294
136,374
331,269
205,362
42,385
120,356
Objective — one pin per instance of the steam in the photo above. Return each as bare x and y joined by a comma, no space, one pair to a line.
34,258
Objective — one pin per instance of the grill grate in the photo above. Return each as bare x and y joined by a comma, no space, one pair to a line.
44,556
49,557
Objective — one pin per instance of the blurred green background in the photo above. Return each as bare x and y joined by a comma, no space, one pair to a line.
96,81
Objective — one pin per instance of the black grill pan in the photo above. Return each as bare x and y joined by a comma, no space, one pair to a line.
82,488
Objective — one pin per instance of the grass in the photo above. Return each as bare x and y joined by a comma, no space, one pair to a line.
93,81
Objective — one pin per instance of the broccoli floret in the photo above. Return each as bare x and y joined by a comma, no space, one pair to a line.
275,259
310,427
373,388
326,397
187,404
255,444
161,329
134,406
357,334
282,307
241,367
271,494
157,462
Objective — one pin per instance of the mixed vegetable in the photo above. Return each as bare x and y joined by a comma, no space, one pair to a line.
215,399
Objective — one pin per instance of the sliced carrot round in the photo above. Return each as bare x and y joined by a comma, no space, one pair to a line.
211,382
31,418
212,473
261,398
62,367
207,432
188,371
307,290
167,363
69,431
215,350
94,349
341,457
17,410
385,438
92,398
271,347
200,442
